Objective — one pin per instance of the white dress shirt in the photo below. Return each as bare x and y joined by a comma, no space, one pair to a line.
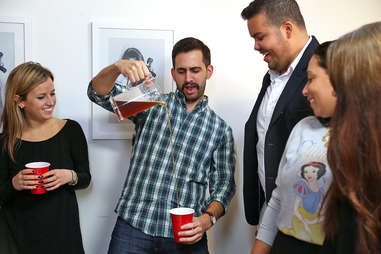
266,109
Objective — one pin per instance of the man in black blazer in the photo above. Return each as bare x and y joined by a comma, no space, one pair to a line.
278,29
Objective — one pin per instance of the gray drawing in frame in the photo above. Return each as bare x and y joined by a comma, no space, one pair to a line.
15,47
7,62
112,42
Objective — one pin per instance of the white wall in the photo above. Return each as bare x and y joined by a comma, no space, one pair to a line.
61,40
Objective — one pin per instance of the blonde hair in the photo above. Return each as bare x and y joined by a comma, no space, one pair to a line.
23,79
354,151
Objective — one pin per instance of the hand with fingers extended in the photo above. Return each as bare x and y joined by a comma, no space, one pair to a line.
25,180
134,70
55,178
193,232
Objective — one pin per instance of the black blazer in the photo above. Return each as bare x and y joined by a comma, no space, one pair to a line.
291,107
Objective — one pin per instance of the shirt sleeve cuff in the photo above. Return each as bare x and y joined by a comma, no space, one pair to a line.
267,235
101,100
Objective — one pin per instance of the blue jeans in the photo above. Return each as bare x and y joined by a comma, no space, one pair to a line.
128,240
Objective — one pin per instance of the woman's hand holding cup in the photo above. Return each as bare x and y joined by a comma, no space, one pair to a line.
56,178
24,180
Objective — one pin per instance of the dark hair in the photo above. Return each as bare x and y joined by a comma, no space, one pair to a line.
188,44
321,54
320,166
276,11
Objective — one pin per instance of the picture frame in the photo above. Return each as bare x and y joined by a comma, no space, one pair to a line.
111,42
15,48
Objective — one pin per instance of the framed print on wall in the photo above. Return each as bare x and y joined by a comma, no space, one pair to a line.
15,48
112,42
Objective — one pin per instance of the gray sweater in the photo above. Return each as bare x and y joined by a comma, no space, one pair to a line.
302,181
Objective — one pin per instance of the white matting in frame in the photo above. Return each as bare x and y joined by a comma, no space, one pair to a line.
112,42
15,48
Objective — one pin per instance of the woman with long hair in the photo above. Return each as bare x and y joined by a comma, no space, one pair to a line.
49,222
354,152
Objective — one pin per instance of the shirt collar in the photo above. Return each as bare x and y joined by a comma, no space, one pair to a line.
291,68
201,105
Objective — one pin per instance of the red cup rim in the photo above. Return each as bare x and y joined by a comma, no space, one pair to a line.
181,211
38,164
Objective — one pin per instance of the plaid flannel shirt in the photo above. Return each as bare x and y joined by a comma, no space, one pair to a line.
204,157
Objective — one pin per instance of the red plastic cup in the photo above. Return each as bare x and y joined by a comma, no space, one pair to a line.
180,216
39,169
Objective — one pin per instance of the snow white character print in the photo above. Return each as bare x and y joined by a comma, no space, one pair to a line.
307,218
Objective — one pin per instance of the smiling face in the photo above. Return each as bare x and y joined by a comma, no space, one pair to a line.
271,42
310,173
319,90
40,102
190,75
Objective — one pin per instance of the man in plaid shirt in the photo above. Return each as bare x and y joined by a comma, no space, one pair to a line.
203,150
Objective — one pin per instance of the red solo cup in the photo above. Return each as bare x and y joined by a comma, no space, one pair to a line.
39,169
180,216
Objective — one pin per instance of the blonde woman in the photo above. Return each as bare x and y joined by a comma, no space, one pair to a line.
49,222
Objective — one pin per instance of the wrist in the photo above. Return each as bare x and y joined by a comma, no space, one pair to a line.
74,178
14,184
206,221
118,66
212,218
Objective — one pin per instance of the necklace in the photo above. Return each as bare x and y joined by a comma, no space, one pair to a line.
325,138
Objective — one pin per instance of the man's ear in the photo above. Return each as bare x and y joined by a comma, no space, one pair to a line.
287,28
172,73
209,70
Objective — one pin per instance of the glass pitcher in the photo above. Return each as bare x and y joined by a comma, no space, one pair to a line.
136,98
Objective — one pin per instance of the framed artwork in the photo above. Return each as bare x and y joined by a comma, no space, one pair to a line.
112,42
15,48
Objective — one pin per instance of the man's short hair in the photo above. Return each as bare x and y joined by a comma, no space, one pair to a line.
276,11
188,44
